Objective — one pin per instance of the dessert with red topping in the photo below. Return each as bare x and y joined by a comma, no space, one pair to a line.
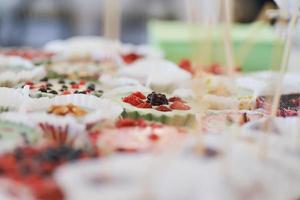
34,166
37,56
158,107
53,87
135,135
130,58
289,104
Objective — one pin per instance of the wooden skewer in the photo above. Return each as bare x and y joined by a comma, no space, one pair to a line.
191,10
112,19
230,63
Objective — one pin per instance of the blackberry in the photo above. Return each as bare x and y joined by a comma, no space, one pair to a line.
43,90
157,99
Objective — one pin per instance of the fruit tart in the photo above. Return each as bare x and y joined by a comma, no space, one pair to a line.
135,135
33,167
157,107
55,87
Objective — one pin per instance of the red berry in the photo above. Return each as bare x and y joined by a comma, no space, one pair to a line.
133,100
177,105
82,82
131,57
186,65
75,86
153,137
173,99
144,105
163,109
139,94
66,92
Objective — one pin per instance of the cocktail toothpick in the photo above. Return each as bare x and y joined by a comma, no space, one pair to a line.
229,54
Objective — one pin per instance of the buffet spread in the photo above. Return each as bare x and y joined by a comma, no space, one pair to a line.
92,118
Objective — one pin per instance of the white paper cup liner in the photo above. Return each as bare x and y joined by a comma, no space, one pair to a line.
11,98
12,77
35,111
100,108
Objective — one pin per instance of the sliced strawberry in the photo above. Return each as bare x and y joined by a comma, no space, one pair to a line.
177,105
131,57
186,65
173,99
133,100
163,109
139,94
144,105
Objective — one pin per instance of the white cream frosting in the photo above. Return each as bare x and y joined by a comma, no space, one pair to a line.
156,73
264,83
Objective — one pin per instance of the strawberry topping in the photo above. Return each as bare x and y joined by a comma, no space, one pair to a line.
131,58
173,99
177,105
186,65
144,105
163,109
133,100
139,95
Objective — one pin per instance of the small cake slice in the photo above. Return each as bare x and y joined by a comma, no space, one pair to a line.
157,107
